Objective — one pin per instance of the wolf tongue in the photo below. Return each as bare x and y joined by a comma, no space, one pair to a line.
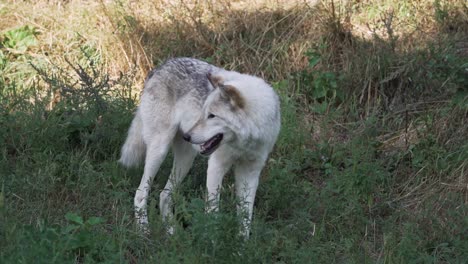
207,144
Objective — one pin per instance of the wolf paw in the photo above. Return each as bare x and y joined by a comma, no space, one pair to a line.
141,215
170,230
142,222
140,199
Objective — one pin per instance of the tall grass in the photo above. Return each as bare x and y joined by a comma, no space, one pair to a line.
370,166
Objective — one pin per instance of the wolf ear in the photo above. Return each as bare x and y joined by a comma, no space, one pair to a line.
215,80
228,92
233,96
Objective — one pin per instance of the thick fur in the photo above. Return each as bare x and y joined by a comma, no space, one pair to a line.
133,151
191,106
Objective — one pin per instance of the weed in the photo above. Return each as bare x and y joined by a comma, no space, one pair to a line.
321,87
77,241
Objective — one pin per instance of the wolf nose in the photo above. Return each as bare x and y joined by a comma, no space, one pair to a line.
186,137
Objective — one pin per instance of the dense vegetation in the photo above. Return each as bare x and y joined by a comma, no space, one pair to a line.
370,167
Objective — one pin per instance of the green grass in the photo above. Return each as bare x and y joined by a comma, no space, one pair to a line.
370,165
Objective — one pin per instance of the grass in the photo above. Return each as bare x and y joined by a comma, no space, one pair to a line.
370,166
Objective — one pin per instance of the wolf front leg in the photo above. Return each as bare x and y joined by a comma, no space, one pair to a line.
247,176
218,165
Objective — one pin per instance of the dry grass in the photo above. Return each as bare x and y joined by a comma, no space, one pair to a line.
267,38
259,39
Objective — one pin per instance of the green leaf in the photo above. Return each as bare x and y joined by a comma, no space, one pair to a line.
313,61
72,217
314,58
320,90
70,228
94,220
20,39
320,108
460,99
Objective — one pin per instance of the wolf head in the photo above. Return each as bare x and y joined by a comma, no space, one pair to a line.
221,116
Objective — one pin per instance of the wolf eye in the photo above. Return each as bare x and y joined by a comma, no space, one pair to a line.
210,115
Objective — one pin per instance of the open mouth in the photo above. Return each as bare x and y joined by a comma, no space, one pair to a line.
211,145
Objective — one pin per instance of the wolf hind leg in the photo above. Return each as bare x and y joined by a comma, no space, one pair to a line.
156,151
184,154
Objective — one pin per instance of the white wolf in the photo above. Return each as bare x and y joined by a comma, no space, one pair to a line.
193,106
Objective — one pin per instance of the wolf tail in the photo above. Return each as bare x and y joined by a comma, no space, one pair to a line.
134,148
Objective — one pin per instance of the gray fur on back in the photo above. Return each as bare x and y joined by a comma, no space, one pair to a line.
180,76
